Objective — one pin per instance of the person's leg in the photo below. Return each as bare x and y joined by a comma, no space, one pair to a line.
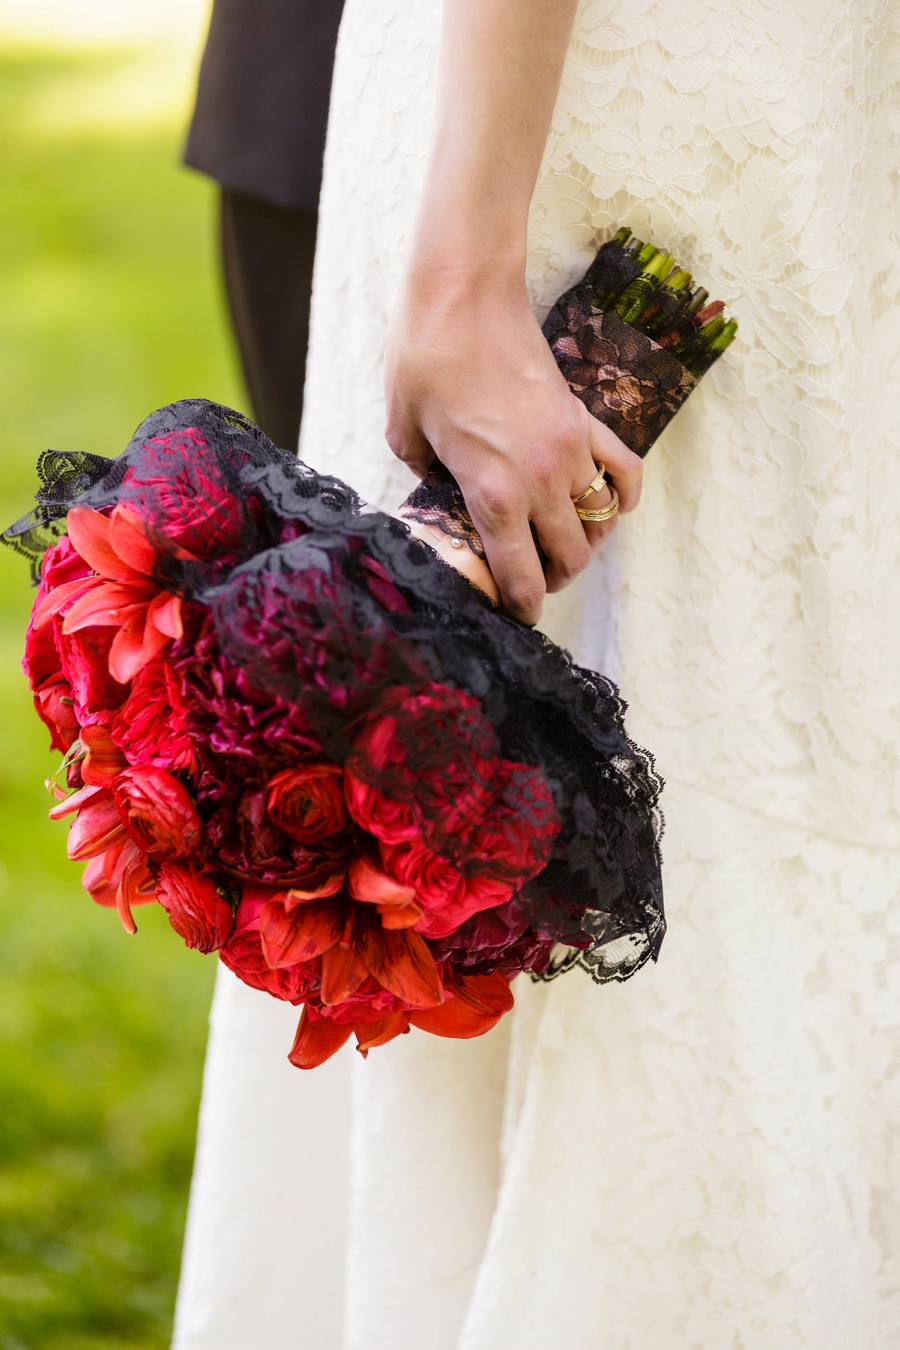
267,256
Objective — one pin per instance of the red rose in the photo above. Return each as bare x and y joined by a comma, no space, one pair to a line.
197,909
308,802
157,811
151,727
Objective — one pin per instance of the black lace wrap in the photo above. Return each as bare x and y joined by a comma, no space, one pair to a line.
288,588
624,378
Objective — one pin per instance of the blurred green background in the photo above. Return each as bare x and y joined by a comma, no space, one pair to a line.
109,307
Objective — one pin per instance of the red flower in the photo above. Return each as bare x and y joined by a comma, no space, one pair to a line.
243,955
446,896
103,760
120,877
308,802
152,724
157,811
246,843
53,697
97,825
178,483
474,1004
390,821
428,769
196,907
121,595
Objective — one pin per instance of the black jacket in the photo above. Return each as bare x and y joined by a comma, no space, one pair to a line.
262,100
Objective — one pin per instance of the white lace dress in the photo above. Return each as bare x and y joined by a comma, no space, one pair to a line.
707,1157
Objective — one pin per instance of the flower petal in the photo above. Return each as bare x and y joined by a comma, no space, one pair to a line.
402,964
316,1040
478,1003
165,615
108,605
342,974
295,896
367,882
134,647
307,931
103,761
55,599
370,1034
400,916
89,531
128,540
97,826
73,803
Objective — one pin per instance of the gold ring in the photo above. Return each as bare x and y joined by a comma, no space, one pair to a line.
598,483
606,514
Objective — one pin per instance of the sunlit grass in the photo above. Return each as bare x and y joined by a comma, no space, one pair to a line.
109,307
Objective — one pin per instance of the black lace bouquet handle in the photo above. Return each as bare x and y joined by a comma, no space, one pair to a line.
632,338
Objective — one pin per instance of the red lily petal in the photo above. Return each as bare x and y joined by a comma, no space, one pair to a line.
104,760
400,916
342,974
402,964
95,881
366,881
370,1034
307,931
108,605
97,826
316,1040
73,803
478,1003
136,887
55,599
295,896
89,532
165,615
128,540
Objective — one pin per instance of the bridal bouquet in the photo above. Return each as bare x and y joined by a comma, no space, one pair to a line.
325,753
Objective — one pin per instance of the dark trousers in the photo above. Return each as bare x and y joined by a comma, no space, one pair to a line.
267,256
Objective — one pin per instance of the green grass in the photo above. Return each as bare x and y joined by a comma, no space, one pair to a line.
109,307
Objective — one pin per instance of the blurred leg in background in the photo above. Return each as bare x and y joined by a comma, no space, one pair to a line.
259,130
267,257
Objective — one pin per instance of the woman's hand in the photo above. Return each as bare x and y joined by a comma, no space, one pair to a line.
470,377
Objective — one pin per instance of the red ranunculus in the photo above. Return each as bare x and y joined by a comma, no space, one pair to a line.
196,906
308,801
447,897
390,821
151,727
436,752
157,811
